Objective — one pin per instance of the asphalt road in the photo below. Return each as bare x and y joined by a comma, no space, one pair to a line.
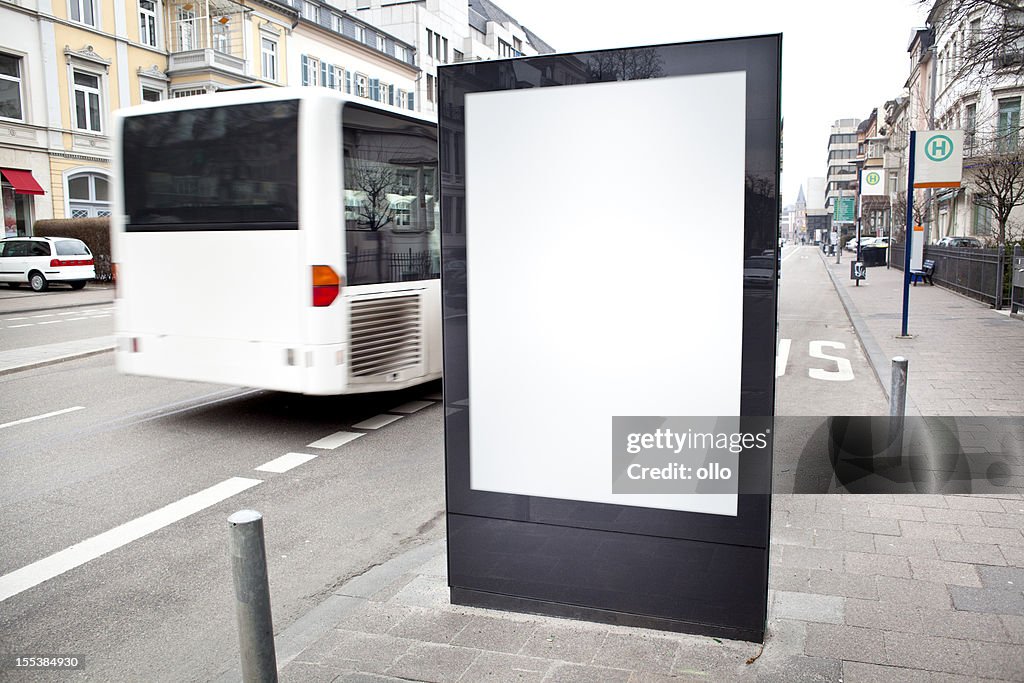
38,327
161,607
821,370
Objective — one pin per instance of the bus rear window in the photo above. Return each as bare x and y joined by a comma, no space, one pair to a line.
392,214
219,168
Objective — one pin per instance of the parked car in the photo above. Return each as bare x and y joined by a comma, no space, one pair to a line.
40,261
759,271
851,245
960,242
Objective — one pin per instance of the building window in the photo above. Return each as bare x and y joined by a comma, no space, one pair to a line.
1008,131
504,49
310,11
457,56
430,43
221,37
444,50
310,70
268,58
402,53
400,99
360,33
981,219
87,101
517,45
88,195
188,92
337,23
84,11
10,87
362,85
382,44
147,22
970,126
152,95
430,88
186,25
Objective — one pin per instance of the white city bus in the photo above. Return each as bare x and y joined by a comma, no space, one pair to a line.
280,238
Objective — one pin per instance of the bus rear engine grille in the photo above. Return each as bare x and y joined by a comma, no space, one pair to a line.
387,335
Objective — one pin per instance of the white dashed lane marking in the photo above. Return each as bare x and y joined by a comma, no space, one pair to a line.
41,417
377,422
89,549
411,407
285,462
334,440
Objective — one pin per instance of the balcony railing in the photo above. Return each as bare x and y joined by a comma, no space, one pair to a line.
206,58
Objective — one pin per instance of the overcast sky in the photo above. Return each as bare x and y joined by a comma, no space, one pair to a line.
839,60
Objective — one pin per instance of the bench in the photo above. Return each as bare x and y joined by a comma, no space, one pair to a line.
925,274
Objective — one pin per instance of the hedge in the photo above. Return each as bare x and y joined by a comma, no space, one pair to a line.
95,232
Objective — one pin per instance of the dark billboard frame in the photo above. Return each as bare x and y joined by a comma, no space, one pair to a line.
655,568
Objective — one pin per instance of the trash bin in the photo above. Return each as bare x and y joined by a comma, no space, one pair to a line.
873,256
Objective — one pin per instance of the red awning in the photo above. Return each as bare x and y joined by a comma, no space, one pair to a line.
22,181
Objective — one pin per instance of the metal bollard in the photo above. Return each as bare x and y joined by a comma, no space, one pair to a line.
897,406
252,597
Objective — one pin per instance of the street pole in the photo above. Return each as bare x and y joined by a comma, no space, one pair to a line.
910,233
252,597
897,407
860,167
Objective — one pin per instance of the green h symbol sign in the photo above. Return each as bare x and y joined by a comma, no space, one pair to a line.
938,148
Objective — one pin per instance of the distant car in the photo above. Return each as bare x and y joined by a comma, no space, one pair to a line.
876,242
960,242
40,261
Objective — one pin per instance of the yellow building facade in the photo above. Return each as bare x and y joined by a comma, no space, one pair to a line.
66,65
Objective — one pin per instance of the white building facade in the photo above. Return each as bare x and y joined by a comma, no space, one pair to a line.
447,31
985,104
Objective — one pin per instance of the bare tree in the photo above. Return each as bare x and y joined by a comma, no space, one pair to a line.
375,182
997,171
922,208
993,42
625,65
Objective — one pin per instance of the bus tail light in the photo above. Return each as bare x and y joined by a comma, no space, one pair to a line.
326,285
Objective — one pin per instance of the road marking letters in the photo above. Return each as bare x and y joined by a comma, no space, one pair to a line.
844,373
816,349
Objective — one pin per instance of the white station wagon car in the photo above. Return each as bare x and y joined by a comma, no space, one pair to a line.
39,261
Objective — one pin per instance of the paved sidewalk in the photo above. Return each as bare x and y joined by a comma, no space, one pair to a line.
864,588
48,354
965,358
23,299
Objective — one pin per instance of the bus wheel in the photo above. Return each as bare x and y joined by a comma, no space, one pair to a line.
37,281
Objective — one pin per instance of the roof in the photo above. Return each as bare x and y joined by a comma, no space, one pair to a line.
482,11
